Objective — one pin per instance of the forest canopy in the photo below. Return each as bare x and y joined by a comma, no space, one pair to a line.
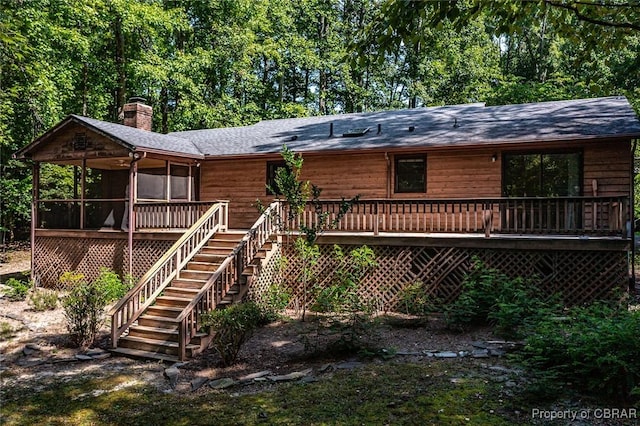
215,63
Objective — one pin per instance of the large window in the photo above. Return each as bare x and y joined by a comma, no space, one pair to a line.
542,174
272,170
411,174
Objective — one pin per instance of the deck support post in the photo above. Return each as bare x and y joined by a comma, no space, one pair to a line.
35,194
83,184
133,171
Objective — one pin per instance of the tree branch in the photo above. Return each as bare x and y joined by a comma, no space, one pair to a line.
590,19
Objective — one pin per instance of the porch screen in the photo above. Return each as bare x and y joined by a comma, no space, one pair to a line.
152,184
542,174
179,182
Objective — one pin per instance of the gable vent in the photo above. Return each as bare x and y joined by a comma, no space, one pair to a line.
80,142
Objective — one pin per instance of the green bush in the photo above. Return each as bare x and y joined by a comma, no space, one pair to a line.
232,327
6,331
275,301
347,315
17,290
111,286
595,349
43,300
84,311
512,305
70,279
414,299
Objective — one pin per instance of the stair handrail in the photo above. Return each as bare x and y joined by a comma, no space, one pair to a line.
156,279
225,276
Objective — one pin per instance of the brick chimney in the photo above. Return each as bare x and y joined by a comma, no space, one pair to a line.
137,114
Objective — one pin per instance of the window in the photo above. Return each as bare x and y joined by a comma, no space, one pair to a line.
411,173
272,170
546,174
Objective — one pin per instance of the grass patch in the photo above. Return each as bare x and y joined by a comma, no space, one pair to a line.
376,394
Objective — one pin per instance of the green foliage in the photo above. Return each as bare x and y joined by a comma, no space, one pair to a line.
346,315
232,327
298,194
512,305
6,331
17,290
277,300
415,299
111,286
594,349
43,300
84,312
70,279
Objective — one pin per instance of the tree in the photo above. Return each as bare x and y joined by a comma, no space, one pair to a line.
298,194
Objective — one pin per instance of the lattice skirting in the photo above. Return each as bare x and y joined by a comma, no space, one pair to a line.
579,276
55,255
270,273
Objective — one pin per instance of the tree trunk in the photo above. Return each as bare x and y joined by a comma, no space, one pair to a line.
120,66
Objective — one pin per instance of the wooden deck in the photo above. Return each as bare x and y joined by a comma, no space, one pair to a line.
478,241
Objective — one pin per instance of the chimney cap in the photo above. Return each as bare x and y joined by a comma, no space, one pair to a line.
137,99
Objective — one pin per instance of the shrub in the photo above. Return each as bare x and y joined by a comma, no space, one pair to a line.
347,316
512,305
43,300
595,349
17,290
111,286
414,299
70,279
233,326
276,300
84,311
6,331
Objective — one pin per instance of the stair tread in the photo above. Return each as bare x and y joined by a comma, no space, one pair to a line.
157,318
185,290
199,262
160,330
181,299
166,308
137,353
189,280
158,342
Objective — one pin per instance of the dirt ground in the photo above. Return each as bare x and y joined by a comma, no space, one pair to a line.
35,346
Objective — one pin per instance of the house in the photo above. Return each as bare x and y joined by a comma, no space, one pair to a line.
541,189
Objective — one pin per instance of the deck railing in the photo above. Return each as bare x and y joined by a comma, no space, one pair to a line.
227,274
165,269
113,213
523,215
167,215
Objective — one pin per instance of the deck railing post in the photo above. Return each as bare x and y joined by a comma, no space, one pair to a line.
488,219
225,215
376,223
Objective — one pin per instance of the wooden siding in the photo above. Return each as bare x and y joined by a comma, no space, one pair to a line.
463,174
609,163
61,148
452,173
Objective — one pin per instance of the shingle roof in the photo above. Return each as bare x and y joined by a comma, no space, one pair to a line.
141,139
458,125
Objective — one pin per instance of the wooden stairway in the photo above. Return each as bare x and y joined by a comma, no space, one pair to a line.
155,334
